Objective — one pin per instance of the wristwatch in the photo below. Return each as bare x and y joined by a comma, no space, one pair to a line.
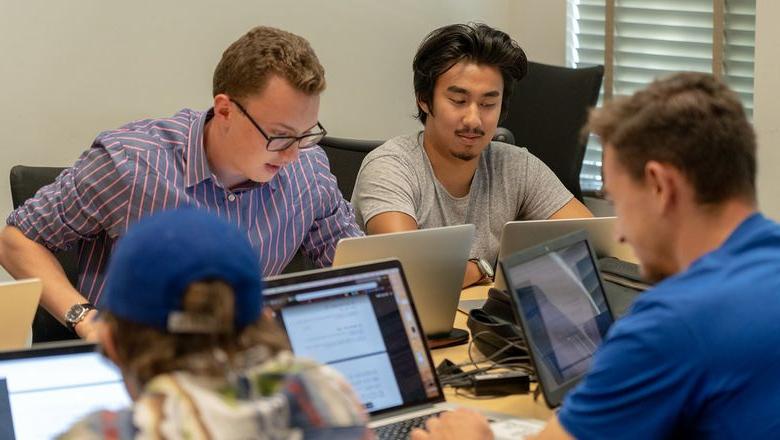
76,314
484,268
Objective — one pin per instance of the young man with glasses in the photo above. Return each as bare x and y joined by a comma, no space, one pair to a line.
251,159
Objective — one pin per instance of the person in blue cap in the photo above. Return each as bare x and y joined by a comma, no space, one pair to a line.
182,319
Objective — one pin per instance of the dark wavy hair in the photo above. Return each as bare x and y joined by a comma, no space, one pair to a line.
474,42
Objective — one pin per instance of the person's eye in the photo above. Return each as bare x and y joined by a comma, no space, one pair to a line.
488,104
458,101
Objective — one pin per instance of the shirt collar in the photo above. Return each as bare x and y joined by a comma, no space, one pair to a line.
196,164
743,231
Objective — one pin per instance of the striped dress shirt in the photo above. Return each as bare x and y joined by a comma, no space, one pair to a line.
157,164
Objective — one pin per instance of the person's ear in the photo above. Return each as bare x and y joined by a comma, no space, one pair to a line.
222,106
424,106
663,183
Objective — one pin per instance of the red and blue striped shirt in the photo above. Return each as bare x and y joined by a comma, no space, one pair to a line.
156,164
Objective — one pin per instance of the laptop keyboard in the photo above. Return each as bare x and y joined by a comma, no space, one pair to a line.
402,429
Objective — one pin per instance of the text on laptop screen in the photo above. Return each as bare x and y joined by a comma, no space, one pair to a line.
564,306
42,397
363,325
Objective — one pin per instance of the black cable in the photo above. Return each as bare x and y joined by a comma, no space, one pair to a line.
463,380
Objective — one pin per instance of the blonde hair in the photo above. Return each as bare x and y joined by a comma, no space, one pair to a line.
145,352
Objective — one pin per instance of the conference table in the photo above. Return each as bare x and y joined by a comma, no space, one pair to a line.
520,405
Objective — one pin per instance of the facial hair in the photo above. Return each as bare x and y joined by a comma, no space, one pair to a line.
466,156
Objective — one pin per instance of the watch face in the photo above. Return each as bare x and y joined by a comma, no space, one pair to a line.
485,268
75,313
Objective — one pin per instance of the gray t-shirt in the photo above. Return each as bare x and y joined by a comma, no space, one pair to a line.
510,184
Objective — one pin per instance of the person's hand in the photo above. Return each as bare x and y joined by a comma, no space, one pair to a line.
87,328
459,424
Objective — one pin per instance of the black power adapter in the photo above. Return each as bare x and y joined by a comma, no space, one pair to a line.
503,383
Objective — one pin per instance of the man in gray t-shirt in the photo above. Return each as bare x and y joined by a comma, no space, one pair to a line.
451,173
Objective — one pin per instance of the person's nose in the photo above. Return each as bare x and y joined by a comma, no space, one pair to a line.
290,154
472,119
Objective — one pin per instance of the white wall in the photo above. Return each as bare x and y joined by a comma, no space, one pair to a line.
767,105
71,69
540,28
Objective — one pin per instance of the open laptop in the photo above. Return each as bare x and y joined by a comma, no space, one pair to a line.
20,301
44,390
520,235
434,261
362,321
559,300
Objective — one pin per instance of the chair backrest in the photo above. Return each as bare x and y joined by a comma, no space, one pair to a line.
25,182
345,156
546,114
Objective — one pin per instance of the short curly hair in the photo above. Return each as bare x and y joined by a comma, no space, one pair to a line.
248,63
691,121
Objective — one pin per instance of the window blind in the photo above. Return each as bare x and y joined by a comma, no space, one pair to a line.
653,38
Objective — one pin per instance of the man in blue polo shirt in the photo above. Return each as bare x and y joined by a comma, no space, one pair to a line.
697,356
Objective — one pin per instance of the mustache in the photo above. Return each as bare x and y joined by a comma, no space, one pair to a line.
469,131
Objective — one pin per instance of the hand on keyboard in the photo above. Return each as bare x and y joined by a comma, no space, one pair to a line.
459,424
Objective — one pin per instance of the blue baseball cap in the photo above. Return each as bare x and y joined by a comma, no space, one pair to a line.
161,255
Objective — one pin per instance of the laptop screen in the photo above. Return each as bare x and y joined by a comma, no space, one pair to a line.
560,302
44,391
361,321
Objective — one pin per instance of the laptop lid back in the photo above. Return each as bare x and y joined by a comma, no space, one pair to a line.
519,235
559,300
20,301
434,261
361,321
43,391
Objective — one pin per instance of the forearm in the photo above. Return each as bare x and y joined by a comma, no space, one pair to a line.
473,275
24,258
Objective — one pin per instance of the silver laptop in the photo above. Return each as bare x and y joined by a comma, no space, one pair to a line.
20,301
558,299
519,235
434,261
362,321
43,391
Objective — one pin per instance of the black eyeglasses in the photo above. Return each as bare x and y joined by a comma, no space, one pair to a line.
281,143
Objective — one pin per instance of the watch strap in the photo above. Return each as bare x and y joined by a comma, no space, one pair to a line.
484,268
71,323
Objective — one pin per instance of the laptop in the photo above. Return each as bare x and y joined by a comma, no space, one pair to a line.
45,390
20,301
558,298
434,261
362,321
520,235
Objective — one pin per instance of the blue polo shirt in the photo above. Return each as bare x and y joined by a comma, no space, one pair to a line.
698,356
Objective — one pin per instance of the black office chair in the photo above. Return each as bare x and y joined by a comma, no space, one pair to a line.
346,156
25,182
548,109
